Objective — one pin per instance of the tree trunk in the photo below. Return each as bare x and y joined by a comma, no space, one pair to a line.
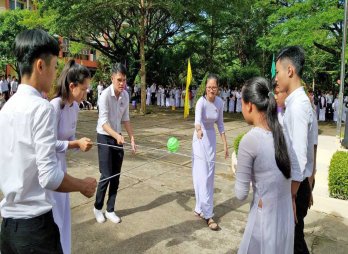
142,58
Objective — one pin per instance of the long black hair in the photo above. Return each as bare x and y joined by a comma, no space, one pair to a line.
258,91
209,77
72,73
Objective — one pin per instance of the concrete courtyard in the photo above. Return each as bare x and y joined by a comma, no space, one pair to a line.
156,197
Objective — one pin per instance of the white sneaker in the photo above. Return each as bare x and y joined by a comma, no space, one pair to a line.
112,217
99,216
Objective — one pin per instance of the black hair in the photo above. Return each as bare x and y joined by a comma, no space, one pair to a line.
119,68
296,55
33,44
209,77
258,92
72,73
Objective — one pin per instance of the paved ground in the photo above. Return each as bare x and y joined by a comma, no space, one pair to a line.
156,197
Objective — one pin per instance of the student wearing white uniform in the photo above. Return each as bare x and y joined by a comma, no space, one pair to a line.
114,110
209,110
100,89
232,102
148,96
177,93
182,101
322,107
30,166
263,160
298,119
335,109
225,96
239,101
14,86
71,90
162,95
158,96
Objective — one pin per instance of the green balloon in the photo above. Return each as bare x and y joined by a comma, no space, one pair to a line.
173,144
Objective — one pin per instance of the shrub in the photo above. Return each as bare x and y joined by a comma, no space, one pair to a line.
338,175
237,141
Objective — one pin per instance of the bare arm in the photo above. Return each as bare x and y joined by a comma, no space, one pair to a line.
86,186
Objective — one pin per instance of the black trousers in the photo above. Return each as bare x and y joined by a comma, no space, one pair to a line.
302,202
153,99
36,235
110,163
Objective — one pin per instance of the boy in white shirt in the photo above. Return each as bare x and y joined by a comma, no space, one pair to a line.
298,120
28,163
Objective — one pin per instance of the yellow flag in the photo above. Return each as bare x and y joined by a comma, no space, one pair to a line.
187,95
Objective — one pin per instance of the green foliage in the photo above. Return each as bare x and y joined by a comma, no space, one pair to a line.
316,25
201,89
10,26
237,142
338,175
103,72
75,48
243,74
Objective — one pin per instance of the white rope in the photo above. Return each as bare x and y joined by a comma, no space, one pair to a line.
163,151
102,180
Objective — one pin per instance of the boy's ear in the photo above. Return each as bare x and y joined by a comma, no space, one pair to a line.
38,65
291,71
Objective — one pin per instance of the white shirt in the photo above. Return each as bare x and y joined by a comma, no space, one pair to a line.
100,89
14,86
298,120
4,86
28,162
112,110
153,88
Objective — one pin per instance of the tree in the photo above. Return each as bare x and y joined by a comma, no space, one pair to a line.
10,26
124,31
315,25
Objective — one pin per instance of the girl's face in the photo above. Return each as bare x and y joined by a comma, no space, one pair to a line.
280,97
79,92
211,89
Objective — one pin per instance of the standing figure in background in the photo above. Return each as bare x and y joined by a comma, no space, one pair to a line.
167,95
335,109
14,86
158,96
153,93
231,104
177,97
148,96
322,107
162,96
100,89
182,101
239,101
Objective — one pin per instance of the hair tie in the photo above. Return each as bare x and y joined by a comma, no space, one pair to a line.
270,94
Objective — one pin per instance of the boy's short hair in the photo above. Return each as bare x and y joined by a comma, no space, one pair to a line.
296,55
31,45
119,68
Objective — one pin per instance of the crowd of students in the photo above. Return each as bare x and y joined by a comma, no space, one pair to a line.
327,106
